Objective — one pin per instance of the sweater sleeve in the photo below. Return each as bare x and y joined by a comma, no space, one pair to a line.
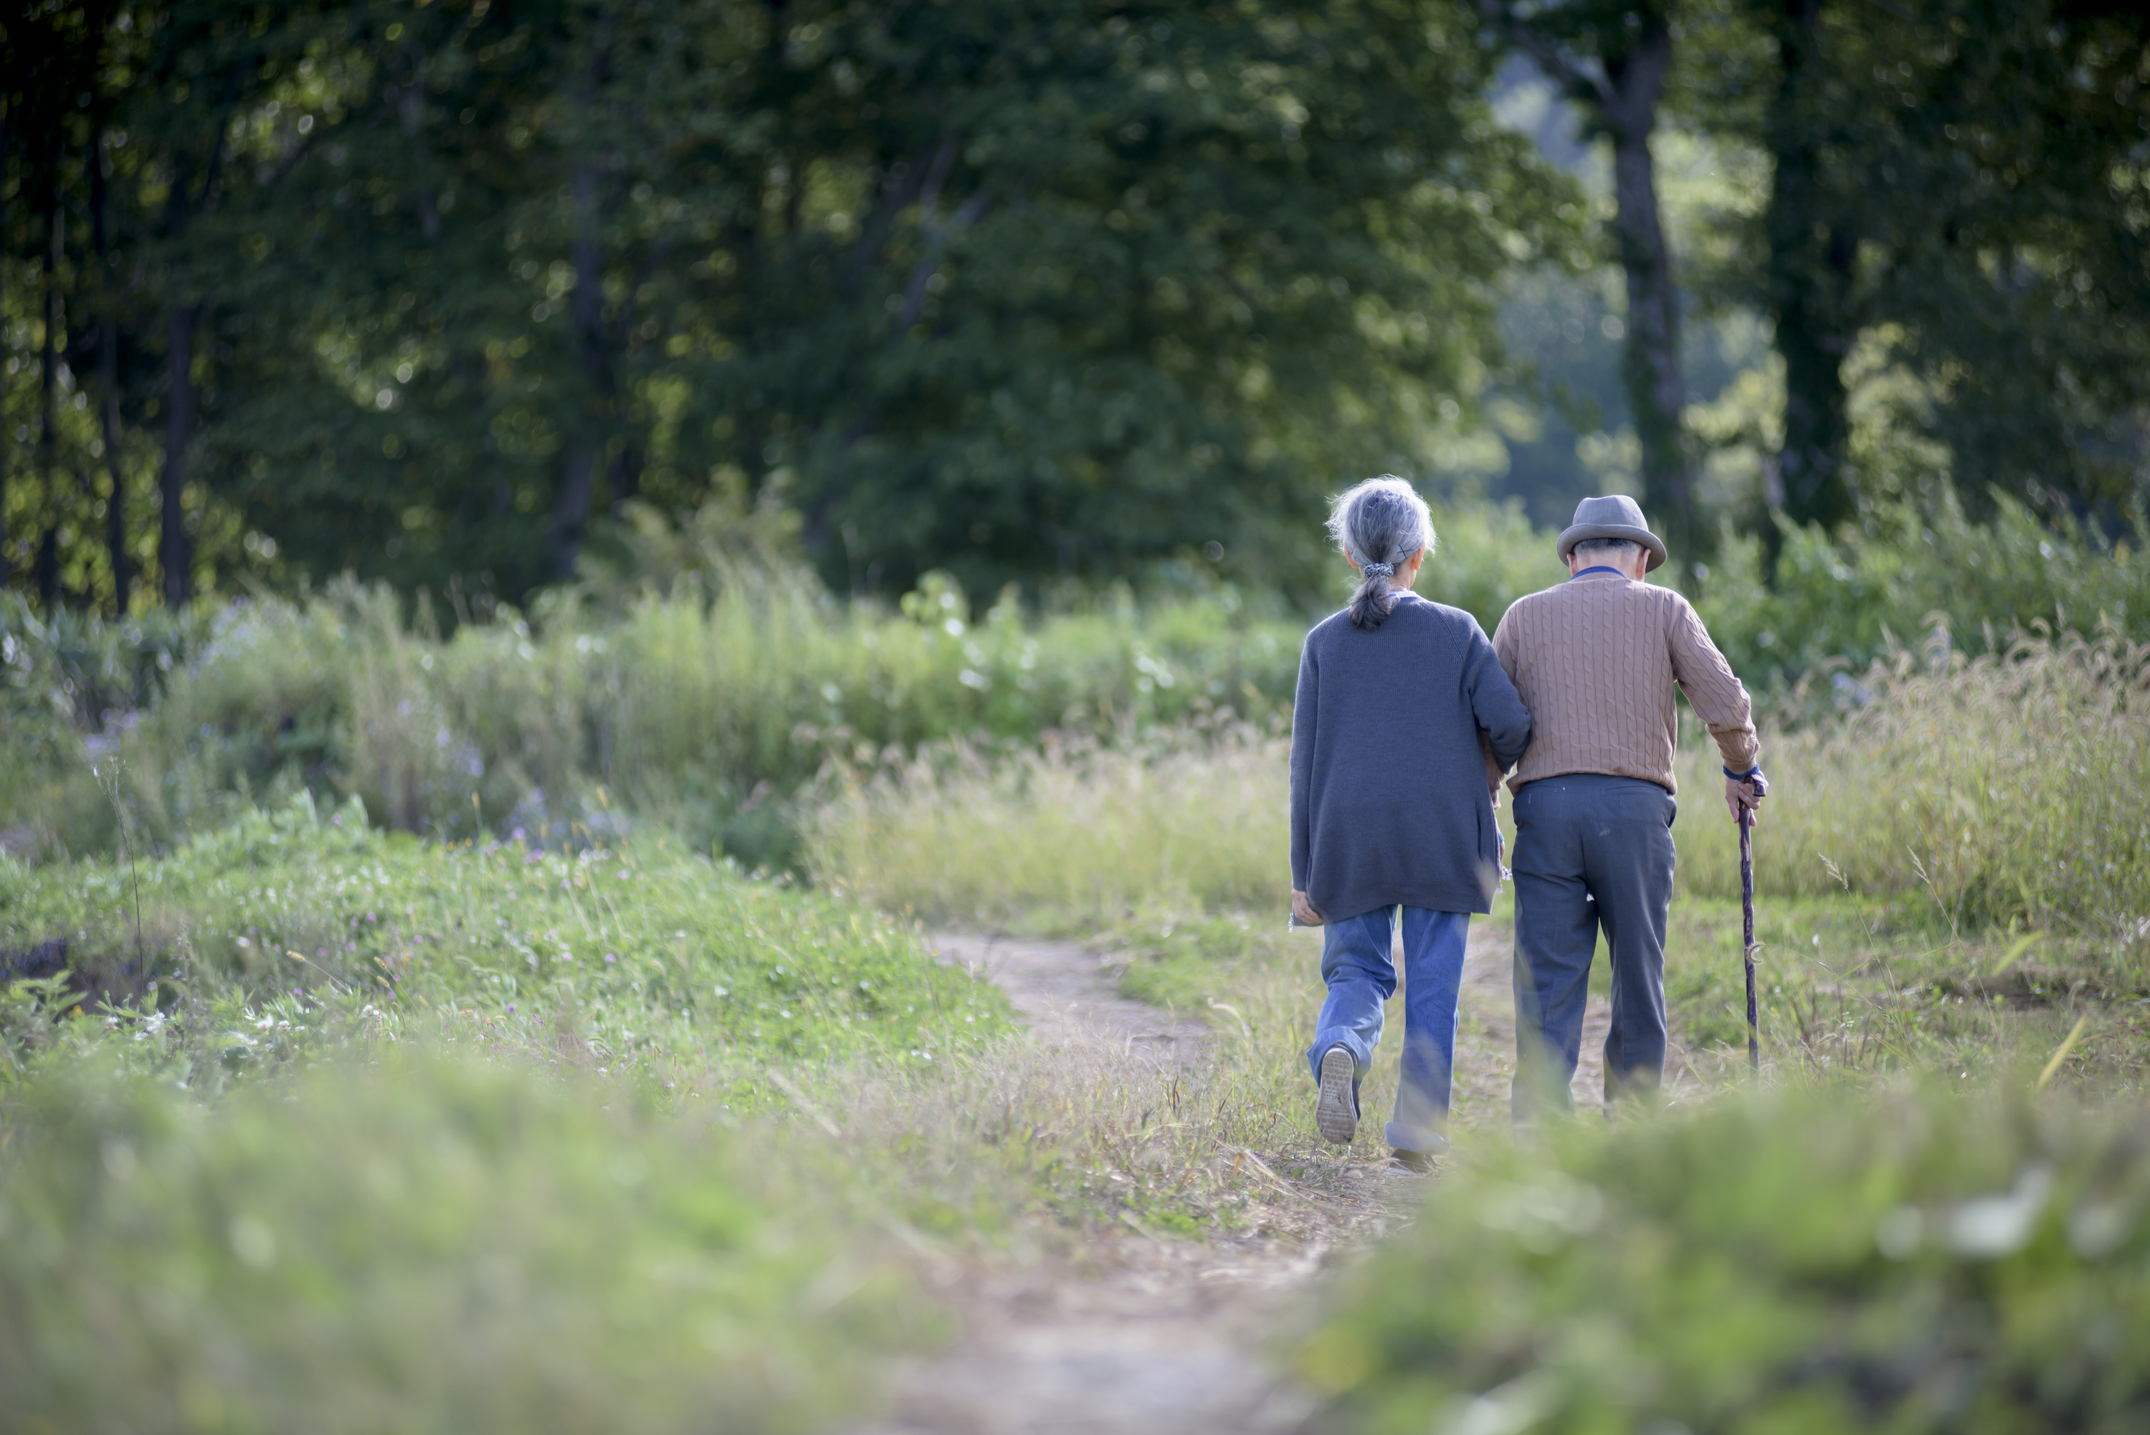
1503,721
1717,696
1504,651
1302,766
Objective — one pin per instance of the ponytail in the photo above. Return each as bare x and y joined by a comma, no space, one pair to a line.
1376,598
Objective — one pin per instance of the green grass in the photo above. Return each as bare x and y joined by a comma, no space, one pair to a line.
1911,1262
259,941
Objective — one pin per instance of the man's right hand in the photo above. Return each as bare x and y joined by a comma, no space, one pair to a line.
1304,910
1744,793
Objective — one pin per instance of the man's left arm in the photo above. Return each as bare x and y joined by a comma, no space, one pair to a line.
1721,701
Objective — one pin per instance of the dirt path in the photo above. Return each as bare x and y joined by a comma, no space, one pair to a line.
1066,994
1151,1335
1166,1336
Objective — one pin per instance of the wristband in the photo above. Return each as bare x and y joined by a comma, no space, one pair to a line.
1742,776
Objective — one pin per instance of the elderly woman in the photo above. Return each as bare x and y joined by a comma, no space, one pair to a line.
1404,721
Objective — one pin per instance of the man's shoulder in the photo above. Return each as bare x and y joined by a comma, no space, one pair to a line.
1533,606
1629,591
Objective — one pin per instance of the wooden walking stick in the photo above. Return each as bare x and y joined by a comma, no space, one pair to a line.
1746,902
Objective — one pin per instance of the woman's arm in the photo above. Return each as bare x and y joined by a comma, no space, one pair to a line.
1302,767
1496,705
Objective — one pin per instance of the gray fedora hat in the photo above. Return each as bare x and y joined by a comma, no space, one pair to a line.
1613,516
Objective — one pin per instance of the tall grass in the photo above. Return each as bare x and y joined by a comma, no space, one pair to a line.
2002,789
1916,1263
1066,836
1856,596
709,684
1989,791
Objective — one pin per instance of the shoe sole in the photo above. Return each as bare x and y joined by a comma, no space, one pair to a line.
1336,1114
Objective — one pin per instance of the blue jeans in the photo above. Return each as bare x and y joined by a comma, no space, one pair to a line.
1355,964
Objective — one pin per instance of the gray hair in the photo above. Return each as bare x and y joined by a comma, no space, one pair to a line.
1380,524
1621,551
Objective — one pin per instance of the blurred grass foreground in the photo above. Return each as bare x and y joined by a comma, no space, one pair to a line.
1921,1263
416,1245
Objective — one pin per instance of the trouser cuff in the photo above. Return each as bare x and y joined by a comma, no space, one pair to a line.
1362,1055
1409,1136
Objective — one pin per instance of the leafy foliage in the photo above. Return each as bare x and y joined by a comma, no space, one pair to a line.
1019,293
1961,181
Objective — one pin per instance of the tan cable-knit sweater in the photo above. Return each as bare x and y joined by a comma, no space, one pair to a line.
1596,660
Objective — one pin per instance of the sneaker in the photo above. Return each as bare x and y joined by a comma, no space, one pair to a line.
1414,1163
1336,1109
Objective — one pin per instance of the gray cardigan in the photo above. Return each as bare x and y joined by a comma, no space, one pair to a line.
1389,799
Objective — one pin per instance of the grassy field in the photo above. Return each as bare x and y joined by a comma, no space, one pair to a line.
553,1114
425,1244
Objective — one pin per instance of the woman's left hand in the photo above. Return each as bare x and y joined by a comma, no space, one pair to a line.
1304,910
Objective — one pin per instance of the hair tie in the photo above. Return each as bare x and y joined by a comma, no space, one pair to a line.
1379,570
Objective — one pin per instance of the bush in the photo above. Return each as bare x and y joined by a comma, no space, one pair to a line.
419,1246
1773,1265
1855,597
709,712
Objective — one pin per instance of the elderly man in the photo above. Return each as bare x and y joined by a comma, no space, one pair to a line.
1596,660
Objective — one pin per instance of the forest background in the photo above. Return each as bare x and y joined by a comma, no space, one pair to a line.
1059,294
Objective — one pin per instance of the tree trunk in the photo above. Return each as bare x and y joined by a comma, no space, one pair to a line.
586,450
1624,92
116,502
1812,250
108,386
5,115
48,418
1650,366
586,311
175,550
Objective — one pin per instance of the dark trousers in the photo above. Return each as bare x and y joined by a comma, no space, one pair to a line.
1591,852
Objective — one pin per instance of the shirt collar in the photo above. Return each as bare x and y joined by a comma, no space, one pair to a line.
1600,568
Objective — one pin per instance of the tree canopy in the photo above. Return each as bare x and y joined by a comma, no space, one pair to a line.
1031,292
423,290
